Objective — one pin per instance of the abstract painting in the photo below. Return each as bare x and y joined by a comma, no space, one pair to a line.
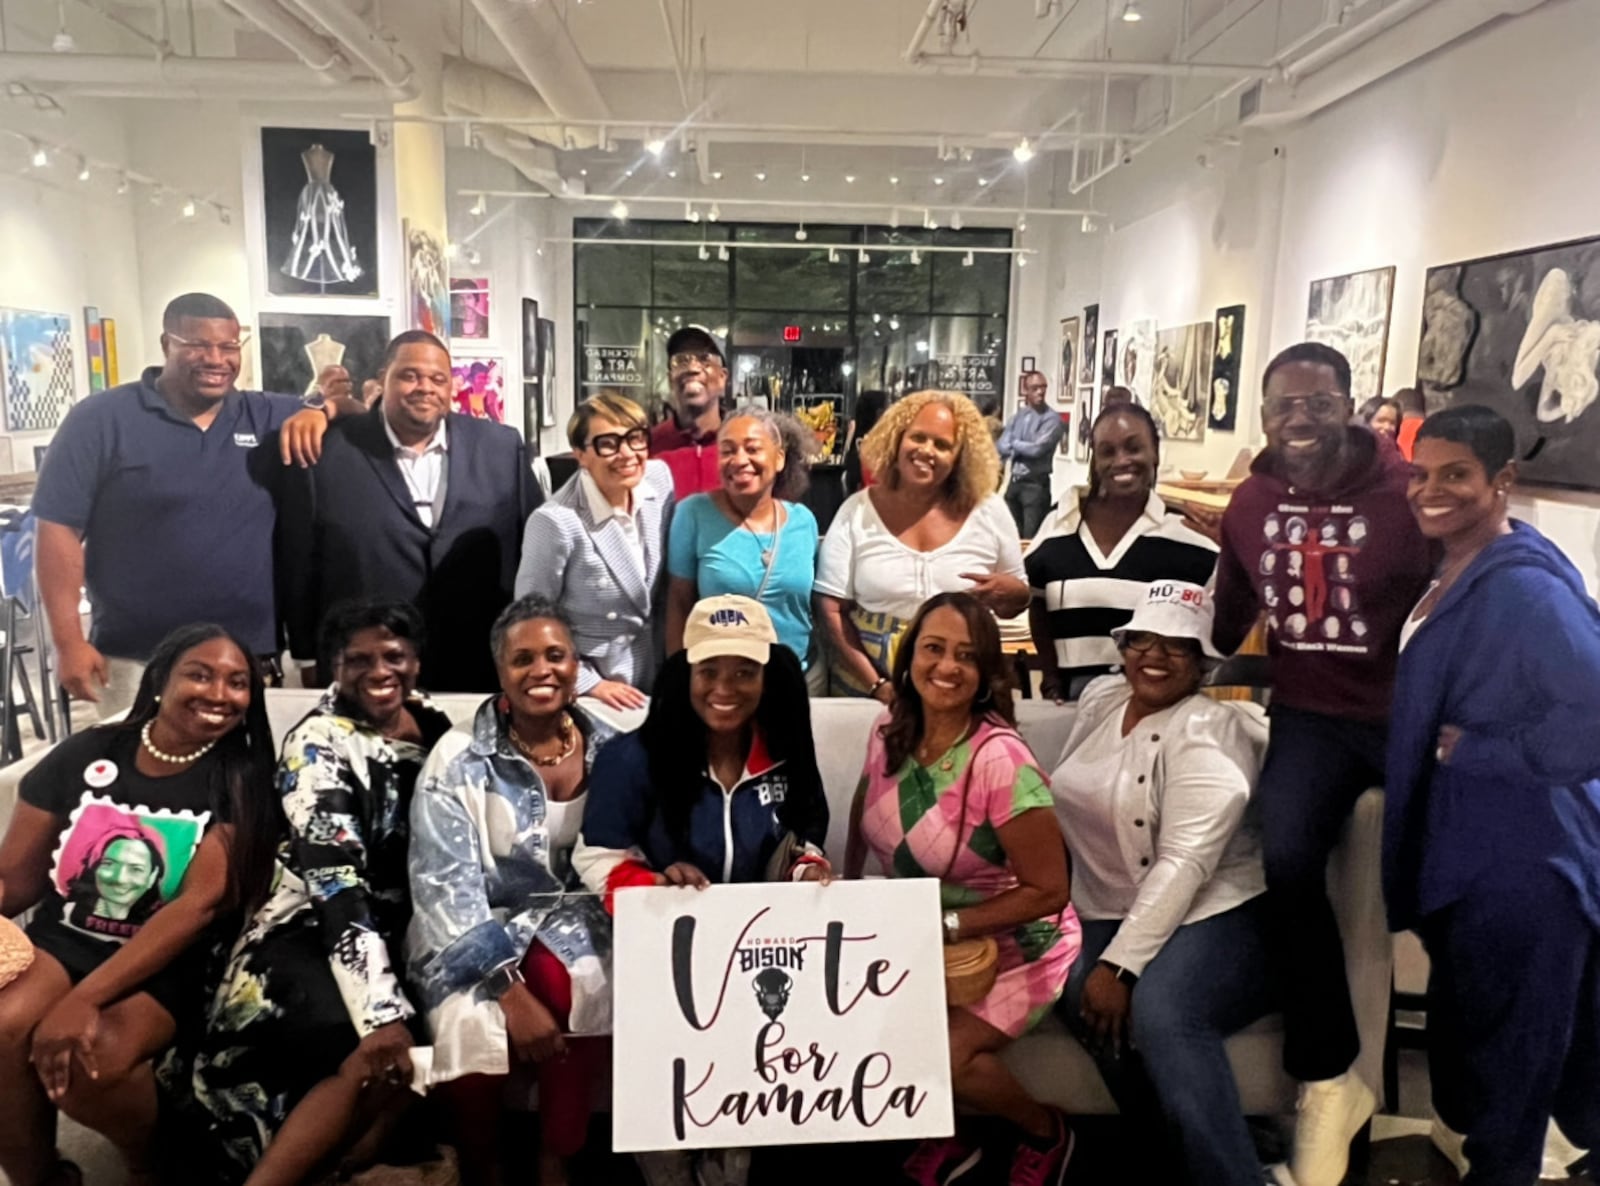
1067,375
1180,382
1138,358
36,358
547,373
296,346
108,328
95,338
469,309
426,283
319,193
478,387
1108,359
1227,342
1091,339
1351,314
1520,333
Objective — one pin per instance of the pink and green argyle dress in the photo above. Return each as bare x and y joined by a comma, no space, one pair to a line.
909,822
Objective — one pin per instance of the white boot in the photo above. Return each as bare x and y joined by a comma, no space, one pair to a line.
1331,1112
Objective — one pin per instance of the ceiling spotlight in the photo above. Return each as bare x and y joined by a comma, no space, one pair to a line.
922,346
863,257
1131,13
893,180
955,221
451,250
894,217
849,178
877,317
1022,261
705,253
583,172
916,257
1023,151
188,208
805,177
474,257
833,255
656,147
83,169
690,214
619,211
800,235
41,156
716,175
672,173
894,323
716,212
722,253
761,174
982,181
1022,222
480,207
1088,226
967,260
848,368
123,184
938,180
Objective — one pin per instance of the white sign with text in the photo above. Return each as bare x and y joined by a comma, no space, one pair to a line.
779,1014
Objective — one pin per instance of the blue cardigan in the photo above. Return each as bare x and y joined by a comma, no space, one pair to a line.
1511,656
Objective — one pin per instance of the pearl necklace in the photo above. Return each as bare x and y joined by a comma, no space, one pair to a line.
171,759
569,736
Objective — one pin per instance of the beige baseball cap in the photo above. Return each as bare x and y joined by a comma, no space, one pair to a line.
729,625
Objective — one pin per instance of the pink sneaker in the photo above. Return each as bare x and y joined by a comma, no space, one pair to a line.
941,1161
1032,1166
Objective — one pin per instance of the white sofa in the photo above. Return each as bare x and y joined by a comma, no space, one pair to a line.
1049,1061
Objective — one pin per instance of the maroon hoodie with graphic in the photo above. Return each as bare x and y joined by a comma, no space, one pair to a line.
1336,573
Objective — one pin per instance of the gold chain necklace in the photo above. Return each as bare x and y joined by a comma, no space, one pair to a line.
569,739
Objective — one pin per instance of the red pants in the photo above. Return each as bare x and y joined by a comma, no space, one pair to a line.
565,1085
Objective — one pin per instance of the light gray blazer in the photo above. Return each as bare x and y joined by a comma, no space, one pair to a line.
617,612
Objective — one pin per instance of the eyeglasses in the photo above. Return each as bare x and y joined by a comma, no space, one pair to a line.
1321,405
607,443
1142,642
194,346
684,359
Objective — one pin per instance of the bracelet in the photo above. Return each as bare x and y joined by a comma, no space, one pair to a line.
882,679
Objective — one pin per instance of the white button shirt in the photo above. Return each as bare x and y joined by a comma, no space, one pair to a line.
423,469
627,517
1156,821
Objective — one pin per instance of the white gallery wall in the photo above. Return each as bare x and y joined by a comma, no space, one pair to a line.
1491,144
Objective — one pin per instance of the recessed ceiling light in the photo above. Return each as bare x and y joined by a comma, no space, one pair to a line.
188,208
716,175
938,180
850,178
761,175
893,180
1131,13
672,172
983,181
583,172
805,177
41,156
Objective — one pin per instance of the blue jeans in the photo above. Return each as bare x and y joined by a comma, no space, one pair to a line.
1211,979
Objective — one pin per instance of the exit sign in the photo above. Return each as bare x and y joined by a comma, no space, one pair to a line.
791,333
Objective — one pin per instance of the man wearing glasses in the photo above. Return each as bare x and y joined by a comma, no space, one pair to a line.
1343,498
687,440
159,496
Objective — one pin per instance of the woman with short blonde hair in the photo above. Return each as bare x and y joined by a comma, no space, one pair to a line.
931,524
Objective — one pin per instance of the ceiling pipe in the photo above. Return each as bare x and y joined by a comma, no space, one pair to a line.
541,45
318,53
119,70
363,98
924,27
1003,67
360,41
476,94
536,162
975,209
110,14
677,55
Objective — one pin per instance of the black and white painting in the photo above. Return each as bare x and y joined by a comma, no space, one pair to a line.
1180,381
1108,360
295,347
1520,333
1066,376
1138,359
530,339
319,192
1227,341
547,372
1351,314
1091,339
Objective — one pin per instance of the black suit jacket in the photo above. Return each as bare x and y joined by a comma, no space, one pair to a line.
347,528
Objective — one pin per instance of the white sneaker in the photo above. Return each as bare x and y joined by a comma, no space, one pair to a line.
1331,1112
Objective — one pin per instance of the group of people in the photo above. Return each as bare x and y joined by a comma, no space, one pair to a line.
241,947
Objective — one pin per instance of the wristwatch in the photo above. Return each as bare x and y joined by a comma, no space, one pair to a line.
1121,973
500,981
952,926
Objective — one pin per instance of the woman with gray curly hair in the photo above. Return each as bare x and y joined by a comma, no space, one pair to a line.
752,537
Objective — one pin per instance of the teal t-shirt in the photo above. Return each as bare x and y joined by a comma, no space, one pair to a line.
722,557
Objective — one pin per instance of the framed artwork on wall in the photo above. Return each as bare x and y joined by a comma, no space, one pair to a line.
36,361
94,338
319,194
1520,333
1108,360
1227,342
547,373
1091,339
1180,381
1138,345
479,387
530,340
296,346
108,329
469,308
426,284
1029,363
1067,374
1089,399
1351,314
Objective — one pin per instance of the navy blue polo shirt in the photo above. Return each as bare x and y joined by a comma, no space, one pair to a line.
177,522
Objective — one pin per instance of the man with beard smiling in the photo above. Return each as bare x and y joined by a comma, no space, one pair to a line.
1330,704
159,496
687,440
415,503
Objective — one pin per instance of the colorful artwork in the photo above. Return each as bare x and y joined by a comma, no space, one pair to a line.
469,309
479,386
1091,340
296,346
108,328
94,336
1520,333
319,191
1180,381
36,354
426,281
1227,343
117,865
1351,314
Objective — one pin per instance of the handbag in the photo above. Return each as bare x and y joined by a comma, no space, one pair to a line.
971,966
16,952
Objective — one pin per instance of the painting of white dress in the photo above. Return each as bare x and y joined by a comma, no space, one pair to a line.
1520,333
319,190
36,359
1138,346
1180,381
1351,314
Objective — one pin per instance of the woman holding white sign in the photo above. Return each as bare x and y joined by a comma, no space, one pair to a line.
1152,792
951,790
508,960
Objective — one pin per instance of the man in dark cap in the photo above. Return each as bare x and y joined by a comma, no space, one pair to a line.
697,369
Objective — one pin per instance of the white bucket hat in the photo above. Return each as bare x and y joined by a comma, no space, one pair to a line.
1174,609
729,625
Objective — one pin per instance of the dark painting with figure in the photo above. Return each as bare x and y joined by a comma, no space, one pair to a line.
1091,341
295,347
1226,343
1520,333
1108,360
319,191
